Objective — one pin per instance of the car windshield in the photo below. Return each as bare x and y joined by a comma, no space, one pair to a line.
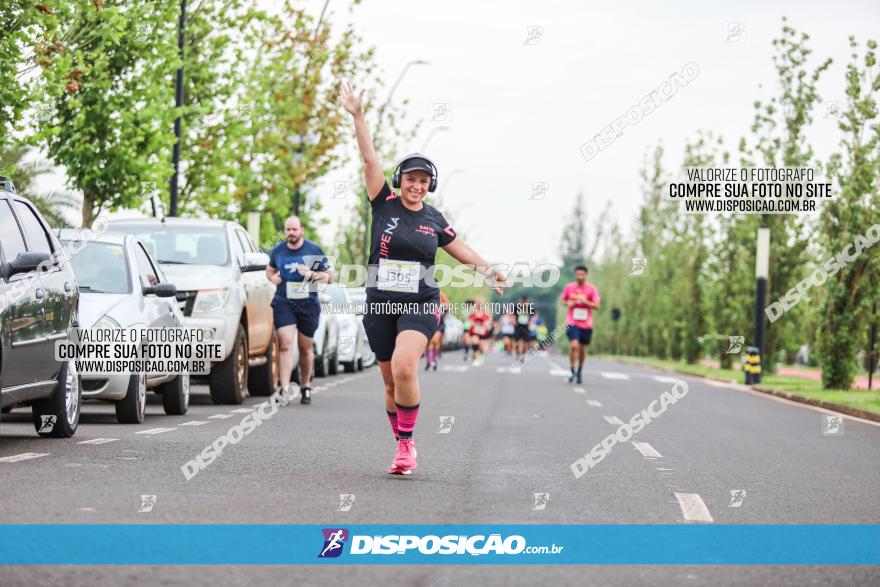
183,245
101,268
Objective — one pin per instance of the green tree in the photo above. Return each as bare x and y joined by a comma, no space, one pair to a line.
856,207
294,124
108,99
28,41
779,128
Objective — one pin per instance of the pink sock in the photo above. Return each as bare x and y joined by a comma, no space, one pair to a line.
432,356
406,419
392,417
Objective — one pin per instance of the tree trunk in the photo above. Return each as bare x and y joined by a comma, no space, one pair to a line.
88,208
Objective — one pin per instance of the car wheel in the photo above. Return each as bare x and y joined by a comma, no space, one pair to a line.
349,366
265,379
322,363
360,364
333,362
175,395
58,414
131,408
228,379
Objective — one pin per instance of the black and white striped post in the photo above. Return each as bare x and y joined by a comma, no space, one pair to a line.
762,271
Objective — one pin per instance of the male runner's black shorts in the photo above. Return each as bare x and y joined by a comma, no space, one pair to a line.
520,332
382,326
582,335
304,315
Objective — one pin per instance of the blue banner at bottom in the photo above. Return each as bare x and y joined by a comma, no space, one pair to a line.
278,544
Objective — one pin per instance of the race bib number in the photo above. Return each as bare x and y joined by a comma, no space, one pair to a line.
297,290
480,330
580,314
400,276
522,319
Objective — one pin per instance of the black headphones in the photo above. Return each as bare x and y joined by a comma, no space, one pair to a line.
395,177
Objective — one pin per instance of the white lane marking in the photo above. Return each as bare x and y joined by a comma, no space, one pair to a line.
195,423
242,411
720,384
459,368
662,379
23,457
647,450
693,508
594,403
579,390
559,372
220,416
614,375
152,431
97,441
613,420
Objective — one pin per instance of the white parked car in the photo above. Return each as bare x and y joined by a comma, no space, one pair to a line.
353,344
122,286
326,341
222,288
358,296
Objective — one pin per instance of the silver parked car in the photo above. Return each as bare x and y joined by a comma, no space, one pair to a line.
122,286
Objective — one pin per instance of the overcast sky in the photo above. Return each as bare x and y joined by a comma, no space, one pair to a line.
522,100
518,111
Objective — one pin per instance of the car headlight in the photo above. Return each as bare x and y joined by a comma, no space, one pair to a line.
210,300
106,321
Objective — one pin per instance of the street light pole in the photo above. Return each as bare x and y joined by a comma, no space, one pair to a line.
431,137
449,177
178,101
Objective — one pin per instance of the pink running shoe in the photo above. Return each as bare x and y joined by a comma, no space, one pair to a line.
405,459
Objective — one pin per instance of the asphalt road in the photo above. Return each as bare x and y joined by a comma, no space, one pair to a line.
720,455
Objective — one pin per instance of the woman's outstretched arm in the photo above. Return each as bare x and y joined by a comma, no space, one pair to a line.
373,175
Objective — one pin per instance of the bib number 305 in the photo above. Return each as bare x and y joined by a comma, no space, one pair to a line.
400,276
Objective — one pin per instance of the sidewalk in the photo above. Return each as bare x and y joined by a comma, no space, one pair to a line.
860,381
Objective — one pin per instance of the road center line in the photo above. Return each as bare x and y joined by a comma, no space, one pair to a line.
647,450
152,431
594,403
23,457
614,375
195,423
98,441
220,416
662,379
613,420
693,508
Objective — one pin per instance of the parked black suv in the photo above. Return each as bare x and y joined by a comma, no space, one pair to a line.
37,307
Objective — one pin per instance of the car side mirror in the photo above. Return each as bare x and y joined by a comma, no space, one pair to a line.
161,290
24,263
254,262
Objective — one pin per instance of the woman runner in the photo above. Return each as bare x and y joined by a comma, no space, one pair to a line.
403,310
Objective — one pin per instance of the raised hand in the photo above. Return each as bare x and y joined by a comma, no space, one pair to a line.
351,100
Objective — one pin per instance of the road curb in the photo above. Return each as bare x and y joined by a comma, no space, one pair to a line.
835,407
